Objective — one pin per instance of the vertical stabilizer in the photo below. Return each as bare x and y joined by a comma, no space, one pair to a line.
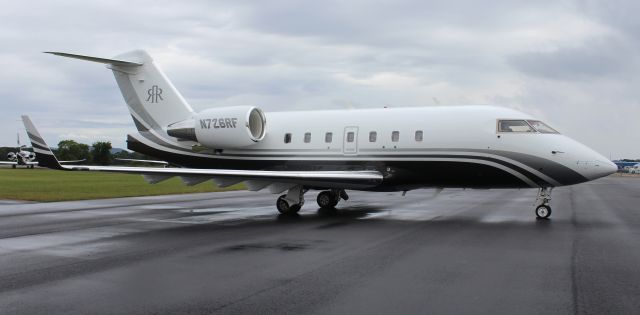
153,101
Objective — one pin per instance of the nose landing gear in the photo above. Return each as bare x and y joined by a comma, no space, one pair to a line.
543,209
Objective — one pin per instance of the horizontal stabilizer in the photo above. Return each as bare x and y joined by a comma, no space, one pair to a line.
120,63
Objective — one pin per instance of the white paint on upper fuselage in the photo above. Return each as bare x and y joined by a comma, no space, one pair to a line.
448,128
470,127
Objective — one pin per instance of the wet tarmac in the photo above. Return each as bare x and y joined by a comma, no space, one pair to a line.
471,251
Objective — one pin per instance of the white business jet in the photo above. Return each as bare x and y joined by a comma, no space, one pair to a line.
20,157
385,149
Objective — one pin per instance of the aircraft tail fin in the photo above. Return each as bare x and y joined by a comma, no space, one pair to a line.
45,156
153,101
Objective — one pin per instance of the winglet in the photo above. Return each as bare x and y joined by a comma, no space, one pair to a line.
44,154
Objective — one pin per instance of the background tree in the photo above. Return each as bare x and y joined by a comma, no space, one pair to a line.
102,153
71,150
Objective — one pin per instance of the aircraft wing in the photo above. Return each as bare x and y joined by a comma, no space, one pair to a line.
8,163
275,181
70,161
145,161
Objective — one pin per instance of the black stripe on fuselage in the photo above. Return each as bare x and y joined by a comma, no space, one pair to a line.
416,173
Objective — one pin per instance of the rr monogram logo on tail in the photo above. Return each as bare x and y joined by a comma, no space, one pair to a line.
155,94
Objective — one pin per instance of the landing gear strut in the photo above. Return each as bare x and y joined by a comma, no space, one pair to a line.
543,209
328,199
292,201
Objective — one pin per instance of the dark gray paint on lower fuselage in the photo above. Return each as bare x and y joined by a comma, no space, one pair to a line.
398,175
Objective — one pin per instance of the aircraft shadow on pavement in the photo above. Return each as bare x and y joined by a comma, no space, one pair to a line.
343,214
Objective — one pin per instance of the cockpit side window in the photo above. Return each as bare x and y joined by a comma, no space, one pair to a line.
541,127
513,125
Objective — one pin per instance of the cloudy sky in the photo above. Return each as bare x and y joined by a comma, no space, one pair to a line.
574,64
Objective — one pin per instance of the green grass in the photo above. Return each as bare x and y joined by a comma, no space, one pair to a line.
50,185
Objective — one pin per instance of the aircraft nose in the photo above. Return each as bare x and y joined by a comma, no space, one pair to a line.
611,167
598,168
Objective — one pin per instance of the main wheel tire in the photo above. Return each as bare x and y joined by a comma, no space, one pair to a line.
327,200
283,206
543,212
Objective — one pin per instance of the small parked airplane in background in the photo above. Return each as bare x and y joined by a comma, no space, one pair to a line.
20,157
386,149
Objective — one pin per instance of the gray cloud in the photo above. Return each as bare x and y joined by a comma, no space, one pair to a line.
592,60
569,62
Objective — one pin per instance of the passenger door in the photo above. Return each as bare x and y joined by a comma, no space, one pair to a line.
350,141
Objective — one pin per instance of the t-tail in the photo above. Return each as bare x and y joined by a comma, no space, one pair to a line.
153,101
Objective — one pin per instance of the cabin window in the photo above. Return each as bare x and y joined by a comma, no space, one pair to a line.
514,126
307,137
287,138
328,137
419,135
541,127
395,136
350,136
373,136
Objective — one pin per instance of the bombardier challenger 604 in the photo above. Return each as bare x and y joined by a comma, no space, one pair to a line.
384,149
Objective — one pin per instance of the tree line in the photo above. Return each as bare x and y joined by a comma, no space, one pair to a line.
99,153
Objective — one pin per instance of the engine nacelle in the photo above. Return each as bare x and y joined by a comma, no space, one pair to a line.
222,128
11,156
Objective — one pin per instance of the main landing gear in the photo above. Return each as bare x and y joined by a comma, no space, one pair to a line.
543,209
294,199
328,199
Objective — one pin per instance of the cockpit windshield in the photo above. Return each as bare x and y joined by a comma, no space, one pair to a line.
517,125
541,127
514,126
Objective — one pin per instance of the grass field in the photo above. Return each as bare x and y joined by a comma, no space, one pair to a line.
49,185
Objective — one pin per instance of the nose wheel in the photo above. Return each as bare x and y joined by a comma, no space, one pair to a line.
543,212
543,209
